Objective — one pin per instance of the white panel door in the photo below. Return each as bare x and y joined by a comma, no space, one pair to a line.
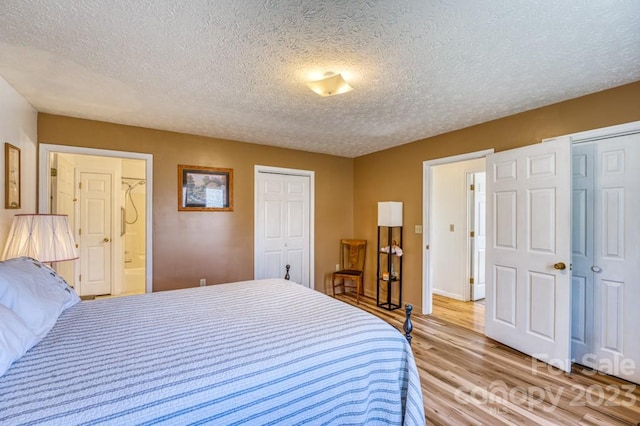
607,263
95,233
528,305
63,203
582,247
479,235
283,227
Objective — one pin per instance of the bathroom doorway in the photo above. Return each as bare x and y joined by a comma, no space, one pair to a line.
107,196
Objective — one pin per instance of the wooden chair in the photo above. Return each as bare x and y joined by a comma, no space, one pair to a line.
352,258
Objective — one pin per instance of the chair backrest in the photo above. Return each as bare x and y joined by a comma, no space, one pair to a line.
353,254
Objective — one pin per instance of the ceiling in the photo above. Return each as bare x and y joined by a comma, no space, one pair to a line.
236,69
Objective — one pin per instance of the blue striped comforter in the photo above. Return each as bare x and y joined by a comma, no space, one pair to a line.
254,352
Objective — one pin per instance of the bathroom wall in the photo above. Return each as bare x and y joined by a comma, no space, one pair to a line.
133,173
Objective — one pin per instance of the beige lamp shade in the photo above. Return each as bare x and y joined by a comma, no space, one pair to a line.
390,213
45,237
333,84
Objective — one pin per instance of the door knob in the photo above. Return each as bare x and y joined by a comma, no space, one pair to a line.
560,266
596,269
106,240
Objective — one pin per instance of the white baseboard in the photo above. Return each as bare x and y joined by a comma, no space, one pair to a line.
447,294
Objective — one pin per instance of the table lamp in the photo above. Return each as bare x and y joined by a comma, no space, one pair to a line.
45,237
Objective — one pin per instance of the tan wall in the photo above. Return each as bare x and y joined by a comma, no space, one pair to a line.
218,246
396,174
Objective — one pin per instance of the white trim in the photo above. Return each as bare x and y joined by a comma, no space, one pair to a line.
470,246
312,210
45,189
427,286
602,133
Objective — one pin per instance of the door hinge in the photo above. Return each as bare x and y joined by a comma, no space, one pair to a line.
54,172
80,185
472,187
80,278
471,280
79,231
472,234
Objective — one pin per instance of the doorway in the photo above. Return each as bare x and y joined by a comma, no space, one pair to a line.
90,186
450,215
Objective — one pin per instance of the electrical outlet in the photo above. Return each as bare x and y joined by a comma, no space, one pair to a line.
418,229
203,282
337,266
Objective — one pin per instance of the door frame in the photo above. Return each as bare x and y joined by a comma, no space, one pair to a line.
601,133
44,189
427,276
292,172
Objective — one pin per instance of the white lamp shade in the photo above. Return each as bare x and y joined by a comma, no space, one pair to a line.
45,237
390,213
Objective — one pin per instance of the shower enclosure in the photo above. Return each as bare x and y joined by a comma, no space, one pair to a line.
132,229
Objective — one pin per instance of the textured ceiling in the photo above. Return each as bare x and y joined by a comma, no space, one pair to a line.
236,69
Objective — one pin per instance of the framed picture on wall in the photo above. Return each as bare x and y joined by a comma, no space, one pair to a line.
11,176
205,188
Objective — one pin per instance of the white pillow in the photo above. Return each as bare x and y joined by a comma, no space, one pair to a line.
35,293
15,338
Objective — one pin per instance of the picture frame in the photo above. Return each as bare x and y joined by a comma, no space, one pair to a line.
12,177
205,188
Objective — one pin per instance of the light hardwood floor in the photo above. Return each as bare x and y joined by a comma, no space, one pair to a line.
465,314
468,379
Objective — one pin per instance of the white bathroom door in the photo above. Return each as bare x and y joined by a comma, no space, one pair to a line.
528,304
478,287
282,226
607,256
95,233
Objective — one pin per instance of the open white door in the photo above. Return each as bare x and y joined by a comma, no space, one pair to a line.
528,303
479,237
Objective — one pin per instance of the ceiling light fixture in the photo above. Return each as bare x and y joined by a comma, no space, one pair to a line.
331,84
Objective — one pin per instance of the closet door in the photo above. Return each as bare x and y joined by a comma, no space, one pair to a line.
611,267
283,227
582,247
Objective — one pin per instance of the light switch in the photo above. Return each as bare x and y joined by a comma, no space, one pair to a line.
418,229
451,228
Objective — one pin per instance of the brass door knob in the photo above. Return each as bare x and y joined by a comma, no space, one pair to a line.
106,240
560,266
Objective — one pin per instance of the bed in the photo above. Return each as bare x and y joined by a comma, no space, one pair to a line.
253,352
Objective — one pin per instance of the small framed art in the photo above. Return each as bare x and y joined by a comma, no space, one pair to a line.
11,176
205,188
